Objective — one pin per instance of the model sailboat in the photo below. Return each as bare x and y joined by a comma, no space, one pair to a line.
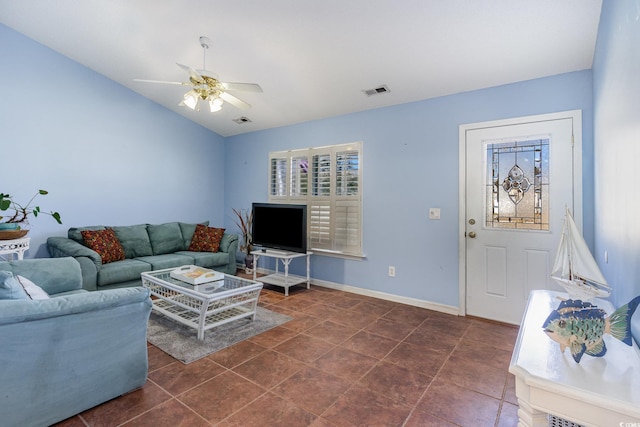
574,268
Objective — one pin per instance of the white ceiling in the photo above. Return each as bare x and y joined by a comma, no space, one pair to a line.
313,58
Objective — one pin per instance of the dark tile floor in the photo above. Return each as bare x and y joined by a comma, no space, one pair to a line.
344,360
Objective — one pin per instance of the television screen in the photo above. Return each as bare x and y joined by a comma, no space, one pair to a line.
280,226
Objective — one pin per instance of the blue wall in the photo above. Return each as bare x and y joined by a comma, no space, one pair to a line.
109,156
410,165
616,75
105,154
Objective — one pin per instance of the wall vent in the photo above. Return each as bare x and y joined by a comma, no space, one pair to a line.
242,120
377,91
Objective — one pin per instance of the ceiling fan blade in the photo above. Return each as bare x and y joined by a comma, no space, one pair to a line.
161,81
192,73
238,103
245,87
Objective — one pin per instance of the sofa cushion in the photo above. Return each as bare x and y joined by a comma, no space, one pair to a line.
10,287
34,291
206,239
187,232
134,240
122,271
207,259
165,238
105,243
159,262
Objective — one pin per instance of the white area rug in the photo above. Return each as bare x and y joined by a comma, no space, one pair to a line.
182,342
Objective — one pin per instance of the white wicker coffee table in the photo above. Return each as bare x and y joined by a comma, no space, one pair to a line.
205,306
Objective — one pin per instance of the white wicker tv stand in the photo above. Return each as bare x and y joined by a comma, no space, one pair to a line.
278,279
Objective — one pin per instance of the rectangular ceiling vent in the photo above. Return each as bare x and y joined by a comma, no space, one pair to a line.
377,91
242,120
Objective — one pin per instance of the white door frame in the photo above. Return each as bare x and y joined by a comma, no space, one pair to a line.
576,116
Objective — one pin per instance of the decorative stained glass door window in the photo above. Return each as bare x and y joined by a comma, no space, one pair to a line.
517,184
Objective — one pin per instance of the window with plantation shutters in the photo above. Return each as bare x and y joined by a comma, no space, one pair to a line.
329,181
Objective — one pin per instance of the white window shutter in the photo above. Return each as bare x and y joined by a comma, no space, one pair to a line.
321,172
277,176
347,226
329,181
320,225
299,177
347,173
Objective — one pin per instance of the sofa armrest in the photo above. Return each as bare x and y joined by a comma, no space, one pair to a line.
89,273
63,247
227,243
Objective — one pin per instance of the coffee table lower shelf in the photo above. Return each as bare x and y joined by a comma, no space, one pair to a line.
211,320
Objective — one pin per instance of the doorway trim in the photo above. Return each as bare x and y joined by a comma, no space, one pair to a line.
576,117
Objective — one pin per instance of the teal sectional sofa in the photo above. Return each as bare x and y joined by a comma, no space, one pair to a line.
63,355
147,247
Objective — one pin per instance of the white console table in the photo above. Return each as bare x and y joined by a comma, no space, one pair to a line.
15,246
278,279
598,391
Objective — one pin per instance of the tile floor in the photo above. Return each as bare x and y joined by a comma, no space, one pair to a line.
344,360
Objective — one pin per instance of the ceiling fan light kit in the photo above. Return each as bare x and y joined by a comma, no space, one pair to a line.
215,105
206,86
190,99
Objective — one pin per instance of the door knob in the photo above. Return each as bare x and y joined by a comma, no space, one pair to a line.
472,234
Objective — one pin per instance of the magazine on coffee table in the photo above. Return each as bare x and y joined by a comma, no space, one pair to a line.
195,275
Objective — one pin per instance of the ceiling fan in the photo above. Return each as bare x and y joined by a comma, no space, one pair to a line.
205,86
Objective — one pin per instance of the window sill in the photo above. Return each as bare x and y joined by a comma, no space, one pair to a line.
336,254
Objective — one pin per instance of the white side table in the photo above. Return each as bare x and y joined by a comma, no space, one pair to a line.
597,392
15,246
285,280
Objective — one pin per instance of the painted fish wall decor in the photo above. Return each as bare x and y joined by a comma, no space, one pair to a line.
581,326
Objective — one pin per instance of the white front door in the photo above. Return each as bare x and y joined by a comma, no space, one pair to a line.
519,176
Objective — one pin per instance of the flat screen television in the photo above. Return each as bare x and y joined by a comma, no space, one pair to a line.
280,226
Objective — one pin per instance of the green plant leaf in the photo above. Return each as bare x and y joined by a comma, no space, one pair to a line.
21,212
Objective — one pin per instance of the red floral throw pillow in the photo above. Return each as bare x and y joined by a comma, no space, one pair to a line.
105,243
206,239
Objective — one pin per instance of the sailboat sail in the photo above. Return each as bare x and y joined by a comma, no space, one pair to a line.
574,268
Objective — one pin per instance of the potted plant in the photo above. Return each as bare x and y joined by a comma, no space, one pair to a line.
16,218
244,222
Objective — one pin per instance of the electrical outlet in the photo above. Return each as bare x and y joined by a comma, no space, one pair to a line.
392,271
434,213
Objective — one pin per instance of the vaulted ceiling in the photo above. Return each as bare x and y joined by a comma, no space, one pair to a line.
313,59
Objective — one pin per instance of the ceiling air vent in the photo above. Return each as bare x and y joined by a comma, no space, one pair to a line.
377,91
242,120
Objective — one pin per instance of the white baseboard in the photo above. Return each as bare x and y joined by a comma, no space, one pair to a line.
442,308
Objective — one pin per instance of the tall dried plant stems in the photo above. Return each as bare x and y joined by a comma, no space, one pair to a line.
244,221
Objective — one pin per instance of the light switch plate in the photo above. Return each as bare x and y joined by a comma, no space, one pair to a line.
434,213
